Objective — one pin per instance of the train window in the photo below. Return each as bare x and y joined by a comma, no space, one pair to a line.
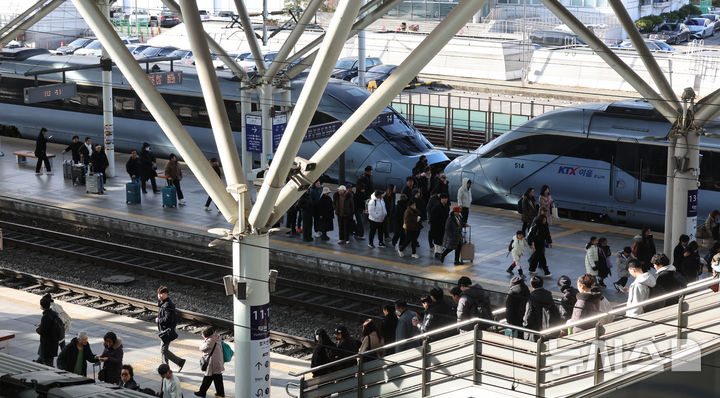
402,136
362,140
601,150
143,108
184,111
322,117
709,172
92,101
626,157
654,163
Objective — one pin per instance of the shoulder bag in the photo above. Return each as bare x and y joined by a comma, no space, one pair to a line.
205,360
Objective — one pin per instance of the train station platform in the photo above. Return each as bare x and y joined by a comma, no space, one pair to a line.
20,312
22,191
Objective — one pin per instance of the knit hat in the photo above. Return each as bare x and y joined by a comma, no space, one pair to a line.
457,209
564,281
516,280
342,188
326,190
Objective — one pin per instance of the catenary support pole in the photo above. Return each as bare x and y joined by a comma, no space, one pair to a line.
668,238
368,111
685,186
250,36
21,16
245,108
279,60
265,93
612,59
214,46
265,22
108,123
32,20
645,55
305,108
158,108
361,57
227,150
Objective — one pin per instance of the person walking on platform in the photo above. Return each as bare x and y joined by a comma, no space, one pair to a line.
148,167
291,219
546,202
397,219
344,205
64,317
41,152
517,248
376,215
363,189
408,188
86,151
538,237
127,378
623,258
112,358
174,175
325,214
529,209
645,248
452,239
389,199
133,167
99,162
50,332
473,303
640,288
166,323
464,198
305,205
412,224
569,297
438,217
169,383
74,149
442,186
315,194
212,352
75,356
216,168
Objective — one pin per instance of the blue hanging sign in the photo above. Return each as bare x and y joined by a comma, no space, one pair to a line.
253,133
279,123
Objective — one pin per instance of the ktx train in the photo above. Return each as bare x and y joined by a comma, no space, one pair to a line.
606,159
391,149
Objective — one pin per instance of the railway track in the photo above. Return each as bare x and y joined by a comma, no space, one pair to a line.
190,321
341,303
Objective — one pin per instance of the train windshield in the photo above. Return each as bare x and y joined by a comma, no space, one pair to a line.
403,136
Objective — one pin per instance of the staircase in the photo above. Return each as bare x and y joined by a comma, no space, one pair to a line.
585,364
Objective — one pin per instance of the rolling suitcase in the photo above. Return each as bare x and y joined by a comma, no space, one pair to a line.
467,252
94,183
67,169
132,193
169,196
78,172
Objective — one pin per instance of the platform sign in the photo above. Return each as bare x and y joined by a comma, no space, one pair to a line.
691,221
50,92
279,122
325,130
165,78
260,350
253,133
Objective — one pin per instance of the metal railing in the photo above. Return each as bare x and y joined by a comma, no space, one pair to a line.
463,123
550,367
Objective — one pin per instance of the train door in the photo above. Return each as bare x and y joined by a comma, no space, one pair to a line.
382,174
625,171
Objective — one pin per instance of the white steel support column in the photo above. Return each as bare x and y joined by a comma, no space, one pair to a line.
265,93
159,109
685,184
227,150
40,14
361,58
368,111
250,35
612,59
245,108
21,16
305,108
265,20
252,343
668,238
108,123
279,60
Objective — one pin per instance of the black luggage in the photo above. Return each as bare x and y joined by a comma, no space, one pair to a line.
78,174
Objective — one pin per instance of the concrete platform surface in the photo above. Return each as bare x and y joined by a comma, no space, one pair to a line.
492,228
20,312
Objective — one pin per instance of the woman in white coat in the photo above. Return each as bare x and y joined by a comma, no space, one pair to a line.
592,257
376,214
464,198
212,350
518,246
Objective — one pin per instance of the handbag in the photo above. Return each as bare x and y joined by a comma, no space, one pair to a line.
554,211
168,335
205,360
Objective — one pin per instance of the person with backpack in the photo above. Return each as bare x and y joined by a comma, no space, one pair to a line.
515,304
569,298
212,352
529,208
473,303
517,246
50,330
64,317
539,238
75,356
540,310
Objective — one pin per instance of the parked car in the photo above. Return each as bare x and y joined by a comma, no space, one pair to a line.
347,68
136,48
73,46
168,19
554,38
204,16
249,62
184,55
653,45
714,18
380,73
218,63
152,52
93,49
700,28
225,16
672,33
141,16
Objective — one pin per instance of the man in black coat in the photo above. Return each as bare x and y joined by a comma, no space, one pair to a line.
363,190
346,346
516,302
147,167
667,280
41,152
408,188
85,151
437,315
75,356
74,149
540,310
679,251
389,323
438,217
441,186
305,205
133,167
99,162
167,320
48,331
